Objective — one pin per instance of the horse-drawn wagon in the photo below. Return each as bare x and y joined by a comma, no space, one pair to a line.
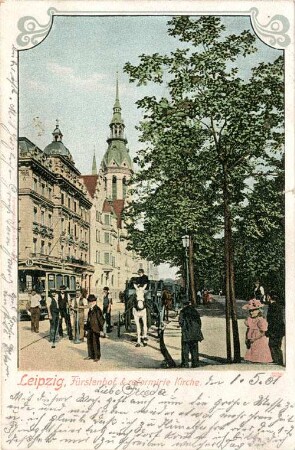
160,298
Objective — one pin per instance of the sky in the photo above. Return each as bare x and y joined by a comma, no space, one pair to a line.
71,76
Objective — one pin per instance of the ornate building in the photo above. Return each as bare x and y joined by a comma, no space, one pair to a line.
113,263
71,227
54,214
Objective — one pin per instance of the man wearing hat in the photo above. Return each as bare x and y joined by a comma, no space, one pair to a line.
191,334
142,279
256,341
94,326
53,315
276,327
63,304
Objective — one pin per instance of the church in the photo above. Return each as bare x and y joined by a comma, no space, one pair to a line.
108,189
71,229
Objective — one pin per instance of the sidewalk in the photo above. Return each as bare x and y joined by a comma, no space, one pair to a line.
120,353
212,350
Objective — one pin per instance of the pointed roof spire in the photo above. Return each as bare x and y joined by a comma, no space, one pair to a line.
117,101
94,166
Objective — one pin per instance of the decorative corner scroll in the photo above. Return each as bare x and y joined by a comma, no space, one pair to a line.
32,32
274,33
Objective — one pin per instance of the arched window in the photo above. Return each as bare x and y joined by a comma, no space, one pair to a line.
124,187
114,188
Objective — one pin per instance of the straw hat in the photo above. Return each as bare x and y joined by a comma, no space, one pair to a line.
253,304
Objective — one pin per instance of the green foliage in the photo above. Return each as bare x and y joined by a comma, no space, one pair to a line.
202,144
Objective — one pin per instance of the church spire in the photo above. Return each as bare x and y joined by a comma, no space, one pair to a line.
94,166
117,124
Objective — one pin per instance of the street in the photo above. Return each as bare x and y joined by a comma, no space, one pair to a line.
120,353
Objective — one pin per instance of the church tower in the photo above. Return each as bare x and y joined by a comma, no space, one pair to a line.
116,165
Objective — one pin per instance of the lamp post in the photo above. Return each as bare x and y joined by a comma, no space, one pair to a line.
185,243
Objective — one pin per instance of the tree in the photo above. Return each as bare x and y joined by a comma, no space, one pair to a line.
259,239
227,127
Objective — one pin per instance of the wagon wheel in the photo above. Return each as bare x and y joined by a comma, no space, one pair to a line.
127,320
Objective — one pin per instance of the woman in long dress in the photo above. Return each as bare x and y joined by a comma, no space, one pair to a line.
256,341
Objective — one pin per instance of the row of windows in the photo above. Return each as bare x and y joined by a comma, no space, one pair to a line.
42,188
107,237
107,258
73,230
45,248
107,218
44,217
103,280
115,188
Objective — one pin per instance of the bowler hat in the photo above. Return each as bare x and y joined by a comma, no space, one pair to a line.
62,287
91,298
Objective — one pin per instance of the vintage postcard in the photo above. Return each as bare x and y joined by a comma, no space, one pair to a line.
147,225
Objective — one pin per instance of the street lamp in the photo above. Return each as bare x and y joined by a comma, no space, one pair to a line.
185,243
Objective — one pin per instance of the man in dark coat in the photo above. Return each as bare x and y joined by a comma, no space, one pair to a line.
142,279
276,327
94,326
63,304
53,315
190,322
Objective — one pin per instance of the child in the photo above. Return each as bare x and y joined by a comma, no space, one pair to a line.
257,345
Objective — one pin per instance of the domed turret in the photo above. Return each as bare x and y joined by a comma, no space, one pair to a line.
57,147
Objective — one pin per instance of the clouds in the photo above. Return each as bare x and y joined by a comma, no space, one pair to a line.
91,82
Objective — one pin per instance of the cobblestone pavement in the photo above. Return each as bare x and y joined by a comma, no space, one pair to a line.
120,353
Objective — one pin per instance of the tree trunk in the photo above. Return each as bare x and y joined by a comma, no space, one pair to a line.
235,327
191,271
231,309
227,287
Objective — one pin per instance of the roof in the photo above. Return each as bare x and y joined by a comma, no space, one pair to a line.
57,148
118,206
90,182
107,207
118,153
25,145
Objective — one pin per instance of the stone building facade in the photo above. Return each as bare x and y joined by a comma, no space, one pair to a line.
54,219
70,225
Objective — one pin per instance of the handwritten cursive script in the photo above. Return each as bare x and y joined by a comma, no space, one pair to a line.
129,415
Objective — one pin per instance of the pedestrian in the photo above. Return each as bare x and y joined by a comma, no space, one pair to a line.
94,326
276,327
64,309
206,297
33,308
53,315
191,334
259,293
199,296
106,310
256,341
78,306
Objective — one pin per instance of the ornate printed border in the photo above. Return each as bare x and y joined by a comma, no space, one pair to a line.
274,33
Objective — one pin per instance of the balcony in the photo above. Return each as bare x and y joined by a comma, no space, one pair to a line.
44,230
73,260
83,245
